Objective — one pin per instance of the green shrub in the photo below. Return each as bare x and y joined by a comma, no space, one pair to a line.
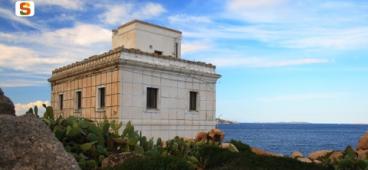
156,163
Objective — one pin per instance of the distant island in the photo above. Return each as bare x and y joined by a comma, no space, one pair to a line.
223,121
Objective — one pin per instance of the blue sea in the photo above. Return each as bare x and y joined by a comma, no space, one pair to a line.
286,138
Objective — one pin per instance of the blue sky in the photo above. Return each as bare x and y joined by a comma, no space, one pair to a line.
280,60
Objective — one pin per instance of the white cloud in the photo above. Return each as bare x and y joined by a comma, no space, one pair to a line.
9,14
117,14
59,47
257,62
81,34
78,36
258,11
22,108
194,47
188,19
67,4
24,59
22,82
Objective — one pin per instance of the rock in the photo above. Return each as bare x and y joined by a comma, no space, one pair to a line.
201,136
335,155
306,160
230,147
28,143
216,135
362,154
296,154
261,152
6,105
318,154
363,142
317,161
116,159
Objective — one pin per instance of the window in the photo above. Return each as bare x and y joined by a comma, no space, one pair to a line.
61,101
78,103
193,101
101,97
158,52
152,98
176,50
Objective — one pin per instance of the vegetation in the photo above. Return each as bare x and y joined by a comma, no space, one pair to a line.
91,143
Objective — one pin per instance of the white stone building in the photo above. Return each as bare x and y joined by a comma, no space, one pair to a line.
143,80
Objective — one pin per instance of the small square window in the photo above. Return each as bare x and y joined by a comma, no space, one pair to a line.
193,100
158,52
152,98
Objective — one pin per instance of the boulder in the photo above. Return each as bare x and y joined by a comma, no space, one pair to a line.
362,154
116,159
6,105
296,154
318,154
201,136
306,160
317,161
27,143
216,135
335,155
363,142
262,152
230,147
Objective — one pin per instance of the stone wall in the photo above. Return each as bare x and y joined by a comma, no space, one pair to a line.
172,118
87,83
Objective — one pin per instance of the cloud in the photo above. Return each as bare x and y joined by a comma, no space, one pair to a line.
37,53
194,47
9,14
22,108
257,62
67,4
117,14
22,82
188,19
266,11
79,35
23,59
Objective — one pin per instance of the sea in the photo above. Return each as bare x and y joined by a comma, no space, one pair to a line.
285,138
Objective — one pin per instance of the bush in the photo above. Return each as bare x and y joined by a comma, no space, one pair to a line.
156,163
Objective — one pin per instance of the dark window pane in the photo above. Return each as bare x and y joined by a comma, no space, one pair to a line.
61,102
193,101
152,98
158,52
101,97
79,100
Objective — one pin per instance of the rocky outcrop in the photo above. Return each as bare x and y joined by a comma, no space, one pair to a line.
229,146
306,160
6,105
318,154
336,155
296,154
261,152
363,142
362,154
27,143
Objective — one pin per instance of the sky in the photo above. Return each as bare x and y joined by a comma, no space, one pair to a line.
280,60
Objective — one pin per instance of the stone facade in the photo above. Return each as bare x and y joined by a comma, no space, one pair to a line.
126,74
